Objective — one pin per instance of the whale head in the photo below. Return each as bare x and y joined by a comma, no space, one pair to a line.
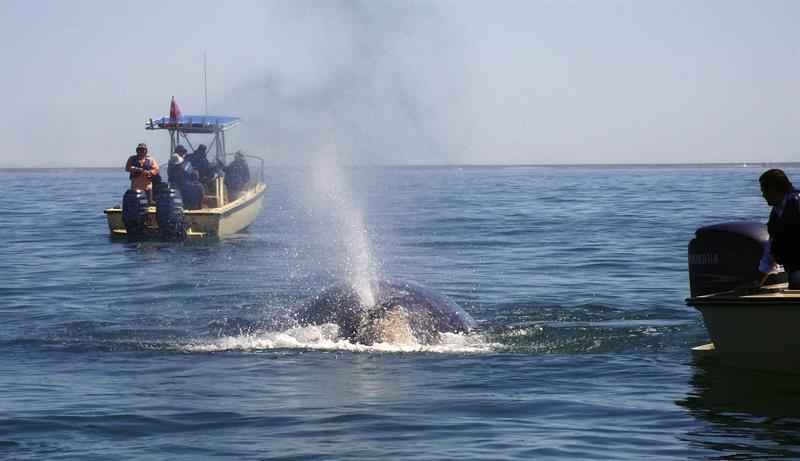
403,312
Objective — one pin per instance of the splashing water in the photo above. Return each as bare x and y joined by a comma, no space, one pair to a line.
325,337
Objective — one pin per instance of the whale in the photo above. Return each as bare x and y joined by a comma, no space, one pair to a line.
396,311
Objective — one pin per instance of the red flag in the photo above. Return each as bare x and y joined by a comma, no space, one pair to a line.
174,111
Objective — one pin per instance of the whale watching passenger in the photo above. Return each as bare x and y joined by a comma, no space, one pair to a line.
142,168
202,166
783,248
179,170
183,177
237,175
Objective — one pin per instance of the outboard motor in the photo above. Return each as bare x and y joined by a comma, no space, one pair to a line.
169,212
192,194
725,256
134,213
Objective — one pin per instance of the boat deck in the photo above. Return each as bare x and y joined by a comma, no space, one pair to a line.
775,294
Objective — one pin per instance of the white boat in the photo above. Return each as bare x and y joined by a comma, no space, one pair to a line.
219,216
755,329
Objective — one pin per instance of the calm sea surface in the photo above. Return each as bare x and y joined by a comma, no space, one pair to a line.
576,276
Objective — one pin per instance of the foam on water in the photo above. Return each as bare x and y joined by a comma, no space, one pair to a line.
326,337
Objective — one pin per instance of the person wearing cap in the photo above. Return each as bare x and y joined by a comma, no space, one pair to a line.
237,175
177,173
142,168
182,177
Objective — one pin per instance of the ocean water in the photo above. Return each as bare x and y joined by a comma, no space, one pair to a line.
576,276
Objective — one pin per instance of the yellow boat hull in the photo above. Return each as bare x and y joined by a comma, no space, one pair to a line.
220,222
752,331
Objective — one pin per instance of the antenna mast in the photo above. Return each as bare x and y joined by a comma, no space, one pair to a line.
205,81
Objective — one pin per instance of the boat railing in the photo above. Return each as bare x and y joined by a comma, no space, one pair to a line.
260,167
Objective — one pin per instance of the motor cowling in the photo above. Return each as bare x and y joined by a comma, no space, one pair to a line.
134,212
725,256
169,212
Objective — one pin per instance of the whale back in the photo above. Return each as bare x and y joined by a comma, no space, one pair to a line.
429,311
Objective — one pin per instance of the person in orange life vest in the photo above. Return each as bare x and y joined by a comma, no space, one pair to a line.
142,168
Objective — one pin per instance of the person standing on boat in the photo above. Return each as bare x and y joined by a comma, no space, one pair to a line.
202,166
179,170
142,168
237,174
783,227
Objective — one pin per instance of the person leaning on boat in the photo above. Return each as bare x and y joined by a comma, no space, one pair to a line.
142,168
783,226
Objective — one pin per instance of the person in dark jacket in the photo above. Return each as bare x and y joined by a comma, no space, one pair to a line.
182,176
783,227
202,166
237,175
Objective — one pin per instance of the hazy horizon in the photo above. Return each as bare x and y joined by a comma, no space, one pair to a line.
428,83
476,166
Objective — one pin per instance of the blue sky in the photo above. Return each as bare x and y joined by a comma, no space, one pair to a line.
407,82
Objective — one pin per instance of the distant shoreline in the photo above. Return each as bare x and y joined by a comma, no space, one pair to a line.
457,166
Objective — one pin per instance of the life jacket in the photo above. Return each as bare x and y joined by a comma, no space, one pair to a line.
134,160
784,231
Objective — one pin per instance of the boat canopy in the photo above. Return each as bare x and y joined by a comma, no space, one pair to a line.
179,130
195,123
